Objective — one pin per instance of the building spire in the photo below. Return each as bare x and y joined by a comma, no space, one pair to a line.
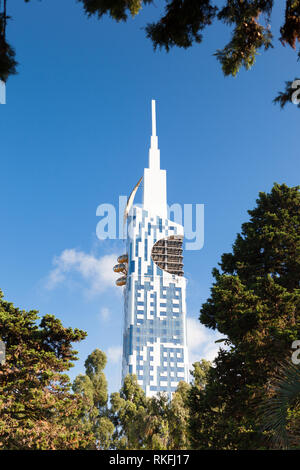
153,119
155,183
154,158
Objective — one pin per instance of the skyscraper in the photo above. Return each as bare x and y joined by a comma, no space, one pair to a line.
154,341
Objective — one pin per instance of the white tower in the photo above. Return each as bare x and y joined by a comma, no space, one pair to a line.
154,342
155,179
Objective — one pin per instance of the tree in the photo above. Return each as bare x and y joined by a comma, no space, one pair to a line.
255,303
200,373
37,408
184,20
281,413
182,25
179,418
157,423
128,413
7,54
93,388
154,423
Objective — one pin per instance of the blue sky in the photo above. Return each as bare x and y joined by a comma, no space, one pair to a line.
75,133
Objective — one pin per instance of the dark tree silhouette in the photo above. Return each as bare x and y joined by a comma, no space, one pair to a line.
182,25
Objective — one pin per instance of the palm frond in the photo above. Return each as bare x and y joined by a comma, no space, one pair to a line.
285,394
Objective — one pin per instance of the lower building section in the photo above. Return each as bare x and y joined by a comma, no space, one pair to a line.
154,343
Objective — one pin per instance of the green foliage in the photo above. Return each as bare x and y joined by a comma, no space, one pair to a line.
150,423
248,37
92,387
290,31
128,413
281,411
179,417
37,410
117,9
182,25
7,54
255,302
184,20
200,373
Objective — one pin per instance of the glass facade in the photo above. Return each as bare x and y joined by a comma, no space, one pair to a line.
154,343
